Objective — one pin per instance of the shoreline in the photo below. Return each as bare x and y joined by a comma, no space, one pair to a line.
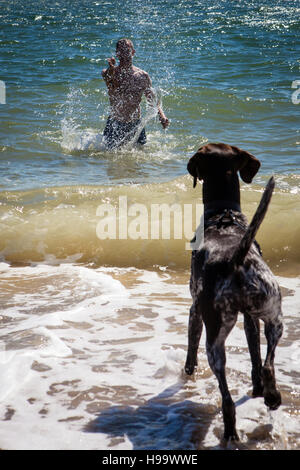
92,351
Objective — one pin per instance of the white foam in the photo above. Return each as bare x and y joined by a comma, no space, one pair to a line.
79,348
76,139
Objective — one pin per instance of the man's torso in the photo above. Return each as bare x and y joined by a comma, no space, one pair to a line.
126,91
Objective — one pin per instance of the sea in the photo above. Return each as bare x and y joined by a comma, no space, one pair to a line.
94,315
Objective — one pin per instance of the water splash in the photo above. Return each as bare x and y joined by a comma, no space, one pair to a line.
150,113
74,138
75,114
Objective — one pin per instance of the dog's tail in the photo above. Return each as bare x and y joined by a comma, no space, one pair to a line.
245,243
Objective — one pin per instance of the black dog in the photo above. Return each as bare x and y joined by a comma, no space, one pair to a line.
228,275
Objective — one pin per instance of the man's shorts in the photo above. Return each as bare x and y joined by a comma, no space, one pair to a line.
117,133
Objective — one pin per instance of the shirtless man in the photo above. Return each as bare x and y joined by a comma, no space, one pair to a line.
126,86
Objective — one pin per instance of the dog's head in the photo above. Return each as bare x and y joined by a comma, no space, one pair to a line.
212,158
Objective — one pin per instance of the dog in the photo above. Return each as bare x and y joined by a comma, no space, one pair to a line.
229,275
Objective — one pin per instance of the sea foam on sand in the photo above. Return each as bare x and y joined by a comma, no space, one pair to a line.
93,359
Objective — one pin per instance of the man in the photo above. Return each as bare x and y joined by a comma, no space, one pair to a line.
126,86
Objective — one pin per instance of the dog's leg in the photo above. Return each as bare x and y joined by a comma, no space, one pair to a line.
194,335
252,330
215,346
273,332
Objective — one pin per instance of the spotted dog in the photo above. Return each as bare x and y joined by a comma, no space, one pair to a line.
229,275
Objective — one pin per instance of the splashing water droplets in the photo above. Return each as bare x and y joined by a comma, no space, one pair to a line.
75,138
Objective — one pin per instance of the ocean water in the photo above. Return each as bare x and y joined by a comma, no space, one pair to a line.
94,331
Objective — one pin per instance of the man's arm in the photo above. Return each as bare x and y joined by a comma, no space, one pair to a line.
108,74
151,98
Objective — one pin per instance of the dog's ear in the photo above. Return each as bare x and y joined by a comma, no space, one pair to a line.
246,164
196,166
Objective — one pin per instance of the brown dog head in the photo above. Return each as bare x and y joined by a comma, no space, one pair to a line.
212,158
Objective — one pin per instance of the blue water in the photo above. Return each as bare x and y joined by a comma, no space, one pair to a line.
224,70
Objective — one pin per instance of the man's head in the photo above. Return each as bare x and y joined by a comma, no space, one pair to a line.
124,49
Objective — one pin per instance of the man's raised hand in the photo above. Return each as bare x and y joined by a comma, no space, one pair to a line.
111,62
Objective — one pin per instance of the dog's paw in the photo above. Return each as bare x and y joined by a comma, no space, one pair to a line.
258,391
190,365
231,435
272,399
189,369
